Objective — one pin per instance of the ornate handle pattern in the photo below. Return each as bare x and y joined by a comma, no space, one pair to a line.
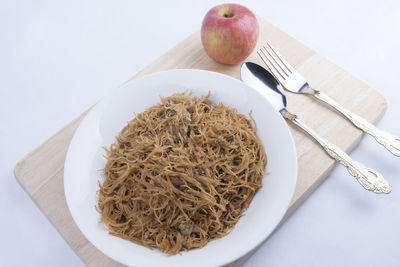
370,179
389,141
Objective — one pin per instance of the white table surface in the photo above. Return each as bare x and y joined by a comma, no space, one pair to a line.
57,58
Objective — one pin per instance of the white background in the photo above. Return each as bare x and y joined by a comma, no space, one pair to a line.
57,58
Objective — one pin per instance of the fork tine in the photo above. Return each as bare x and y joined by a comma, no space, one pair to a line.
271,65
285,63
274,60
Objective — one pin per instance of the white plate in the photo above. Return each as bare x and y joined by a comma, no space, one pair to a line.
107,118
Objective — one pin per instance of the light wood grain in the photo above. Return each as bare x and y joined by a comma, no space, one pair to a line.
41,172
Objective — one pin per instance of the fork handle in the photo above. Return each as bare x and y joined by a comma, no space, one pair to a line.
389,141
370,179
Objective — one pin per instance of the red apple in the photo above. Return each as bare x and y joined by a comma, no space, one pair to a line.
229,33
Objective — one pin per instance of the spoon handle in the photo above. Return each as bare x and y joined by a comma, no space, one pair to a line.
370,179
389,141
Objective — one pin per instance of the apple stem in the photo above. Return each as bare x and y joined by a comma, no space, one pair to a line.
228,15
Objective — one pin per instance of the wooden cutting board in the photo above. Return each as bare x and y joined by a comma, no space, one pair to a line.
40,173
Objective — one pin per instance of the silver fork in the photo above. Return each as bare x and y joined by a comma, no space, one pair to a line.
294,82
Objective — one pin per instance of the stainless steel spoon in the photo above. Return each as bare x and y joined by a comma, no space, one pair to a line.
264,82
